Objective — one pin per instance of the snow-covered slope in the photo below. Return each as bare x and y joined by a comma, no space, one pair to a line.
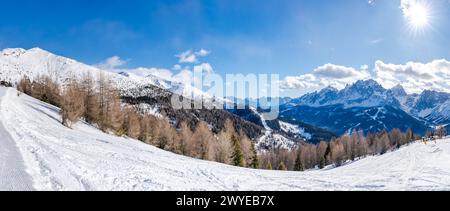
13,176
294,129
84,158
15,63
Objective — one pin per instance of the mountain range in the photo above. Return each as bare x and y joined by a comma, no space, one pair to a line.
368,106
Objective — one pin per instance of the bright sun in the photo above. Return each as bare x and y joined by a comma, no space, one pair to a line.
419,16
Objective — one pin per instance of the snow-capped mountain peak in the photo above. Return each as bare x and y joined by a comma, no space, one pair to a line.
15,63
360,94
398,91
369,84
16,52
363,89
329,89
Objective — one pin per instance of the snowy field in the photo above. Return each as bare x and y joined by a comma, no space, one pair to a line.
56,158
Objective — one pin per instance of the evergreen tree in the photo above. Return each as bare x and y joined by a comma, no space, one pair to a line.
254,160
298,166
237,158
322,162
353,145
327,155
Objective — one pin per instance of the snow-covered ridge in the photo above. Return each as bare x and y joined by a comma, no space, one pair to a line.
15,63
294,129
58,158
360,94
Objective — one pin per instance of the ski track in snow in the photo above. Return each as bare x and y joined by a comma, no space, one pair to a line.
84,158
13,176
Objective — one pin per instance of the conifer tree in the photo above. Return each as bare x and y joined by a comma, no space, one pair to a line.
237,158
254,160
91,100
72,109
201,141
115,116
132,123
409,136
298,162
322,162
185,138
384,143
327,156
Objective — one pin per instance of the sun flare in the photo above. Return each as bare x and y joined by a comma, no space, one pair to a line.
419,16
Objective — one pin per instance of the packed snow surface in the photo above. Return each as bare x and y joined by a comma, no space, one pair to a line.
58,158
13,175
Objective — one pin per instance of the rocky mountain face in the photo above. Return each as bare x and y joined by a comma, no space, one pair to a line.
366,105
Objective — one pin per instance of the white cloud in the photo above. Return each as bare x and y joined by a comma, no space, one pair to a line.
182,74
192,57
371,2
376,41
326,75
365,67
338,72
111,63
202,53
413,76
187,57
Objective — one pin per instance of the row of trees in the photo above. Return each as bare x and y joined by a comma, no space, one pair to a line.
97,102
440,132
337,151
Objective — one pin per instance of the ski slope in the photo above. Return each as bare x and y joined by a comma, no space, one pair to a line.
13,175
57,158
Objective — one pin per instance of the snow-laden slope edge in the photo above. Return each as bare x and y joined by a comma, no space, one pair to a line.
86,159
13,174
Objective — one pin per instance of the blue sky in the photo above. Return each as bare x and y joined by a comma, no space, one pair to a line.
291,38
